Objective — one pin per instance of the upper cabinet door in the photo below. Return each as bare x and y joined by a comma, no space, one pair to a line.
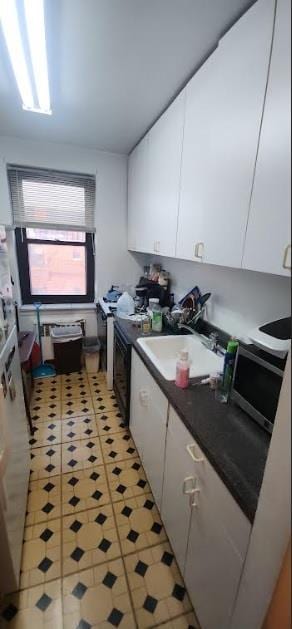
268,241
165,152
137,195
224,109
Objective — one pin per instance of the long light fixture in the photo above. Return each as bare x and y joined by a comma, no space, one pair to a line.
35,28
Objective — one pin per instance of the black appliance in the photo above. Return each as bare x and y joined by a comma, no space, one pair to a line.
149,289
122,373
102,335
257,383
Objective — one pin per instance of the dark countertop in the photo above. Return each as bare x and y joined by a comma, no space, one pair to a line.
233,443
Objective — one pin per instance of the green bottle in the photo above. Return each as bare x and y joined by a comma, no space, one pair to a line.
229,362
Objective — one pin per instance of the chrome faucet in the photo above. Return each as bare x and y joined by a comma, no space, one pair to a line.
210,342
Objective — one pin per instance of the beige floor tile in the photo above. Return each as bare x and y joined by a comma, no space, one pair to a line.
108,423
118,447
45,462
78,428
77,408
45,395
41,554
99,377
79,377
80,455
139,524
99,388
156,585
105,404
39,607
189,621
50,411
98,597
44,500
75,391
89,538
127,479
84,490
45,434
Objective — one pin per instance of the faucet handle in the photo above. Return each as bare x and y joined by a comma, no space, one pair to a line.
214,340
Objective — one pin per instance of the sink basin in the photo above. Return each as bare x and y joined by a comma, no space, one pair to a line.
164,350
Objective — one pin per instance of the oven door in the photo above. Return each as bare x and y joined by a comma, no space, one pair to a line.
122,375
102,335
256,388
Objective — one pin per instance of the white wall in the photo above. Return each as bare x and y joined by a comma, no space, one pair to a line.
240,299
114,264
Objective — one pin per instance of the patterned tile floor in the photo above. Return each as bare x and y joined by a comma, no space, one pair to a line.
95,552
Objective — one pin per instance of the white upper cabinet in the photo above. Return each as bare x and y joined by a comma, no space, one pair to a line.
268,241
224,107
154,179
137,195
165,150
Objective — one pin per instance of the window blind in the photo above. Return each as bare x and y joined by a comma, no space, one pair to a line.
51,198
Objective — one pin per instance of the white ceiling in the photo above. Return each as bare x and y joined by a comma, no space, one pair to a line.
114,66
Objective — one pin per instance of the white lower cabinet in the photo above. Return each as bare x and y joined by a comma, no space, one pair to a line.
208,531
179,482
148,421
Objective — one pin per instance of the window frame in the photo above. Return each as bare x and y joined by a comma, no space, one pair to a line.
22,242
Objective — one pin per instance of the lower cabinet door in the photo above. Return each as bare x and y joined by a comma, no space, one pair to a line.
213,567
148,420
179,483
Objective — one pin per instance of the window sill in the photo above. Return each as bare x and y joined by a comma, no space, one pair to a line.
58,307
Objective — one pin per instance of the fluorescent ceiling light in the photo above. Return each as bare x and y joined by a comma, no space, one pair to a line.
35,30
35,24
11,30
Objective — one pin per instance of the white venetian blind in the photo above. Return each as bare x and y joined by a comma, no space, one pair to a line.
51,198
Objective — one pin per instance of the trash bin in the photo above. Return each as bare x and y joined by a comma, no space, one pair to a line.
67,341
91,350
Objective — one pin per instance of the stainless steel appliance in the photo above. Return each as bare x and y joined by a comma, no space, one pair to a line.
122,373
14,446
257,384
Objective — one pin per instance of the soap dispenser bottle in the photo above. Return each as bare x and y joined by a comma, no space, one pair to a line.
183,370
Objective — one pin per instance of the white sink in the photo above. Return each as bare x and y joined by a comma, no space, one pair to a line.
163,351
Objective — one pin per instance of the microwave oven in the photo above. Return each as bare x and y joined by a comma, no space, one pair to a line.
257,383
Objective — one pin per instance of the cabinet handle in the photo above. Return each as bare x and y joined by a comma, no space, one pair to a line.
198,247
190,449
186,491
286,252
193,502
156,246
144,397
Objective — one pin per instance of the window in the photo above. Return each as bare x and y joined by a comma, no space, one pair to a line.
53,213
55,266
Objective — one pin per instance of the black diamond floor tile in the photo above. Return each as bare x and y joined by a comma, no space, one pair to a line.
46,535
45,565
141,568
76,526
77,554
150,604
79,590
104,545
109,580
44,602
132,536
115,617
178,592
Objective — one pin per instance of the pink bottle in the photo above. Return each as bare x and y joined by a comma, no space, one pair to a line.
183,370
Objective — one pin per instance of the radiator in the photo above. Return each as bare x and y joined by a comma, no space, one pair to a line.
46,326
